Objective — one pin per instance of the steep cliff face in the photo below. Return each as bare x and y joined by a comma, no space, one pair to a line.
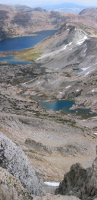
15,162
80,182
92,12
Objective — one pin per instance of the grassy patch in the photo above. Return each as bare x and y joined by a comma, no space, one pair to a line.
30,54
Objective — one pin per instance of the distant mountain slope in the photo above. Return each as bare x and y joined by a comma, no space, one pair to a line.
20,8
39,9
72,54
17,8
23,21
91,12
14,24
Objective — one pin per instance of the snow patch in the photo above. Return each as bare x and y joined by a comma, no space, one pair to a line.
88,72
68,86
67,45
54,52
84,69
82,40
95,133
52,183
77,90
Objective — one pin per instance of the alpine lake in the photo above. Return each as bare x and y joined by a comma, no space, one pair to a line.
18,43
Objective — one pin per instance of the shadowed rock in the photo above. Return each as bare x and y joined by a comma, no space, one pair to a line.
80,182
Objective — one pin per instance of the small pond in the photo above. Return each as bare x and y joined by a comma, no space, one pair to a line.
13,60
78,70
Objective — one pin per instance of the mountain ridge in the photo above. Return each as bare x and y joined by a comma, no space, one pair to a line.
15,24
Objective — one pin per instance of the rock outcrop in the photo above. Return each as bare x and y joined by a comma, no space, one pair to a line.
11,188
13,159
80,182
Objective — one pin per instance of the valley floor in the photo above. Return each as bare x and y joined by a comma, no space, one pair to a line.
52,140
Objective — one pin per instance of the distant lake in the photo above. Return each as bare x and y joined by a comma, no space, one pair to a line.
18,43
65,106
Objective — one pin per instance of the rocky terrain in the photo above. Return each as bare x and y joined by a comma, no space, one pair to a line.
80,182
14,160
39,145
23,21
70,62
11,188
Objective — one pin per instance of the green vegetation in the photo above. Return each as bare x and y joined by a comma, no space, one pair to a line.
29,54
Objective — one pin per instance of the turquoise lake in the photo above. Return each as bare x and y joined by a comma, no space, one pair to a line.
65,106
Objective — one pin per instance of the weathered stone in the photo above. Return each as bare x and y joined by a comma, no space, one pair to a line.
80,182
13,159
11,188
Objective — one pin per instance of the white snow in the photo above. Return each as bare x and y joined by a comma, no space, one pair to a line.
68,86
54,52
95,133
67,45
82,40
52,183
94,90
88,67
77,90
84,69
88,72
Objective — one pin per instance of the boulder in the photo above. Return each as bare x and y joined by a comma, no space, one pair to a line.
80,182
11,188
14,160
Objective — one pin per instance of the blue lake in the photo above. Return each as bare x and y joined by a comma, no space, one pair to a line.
65,106
18,43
